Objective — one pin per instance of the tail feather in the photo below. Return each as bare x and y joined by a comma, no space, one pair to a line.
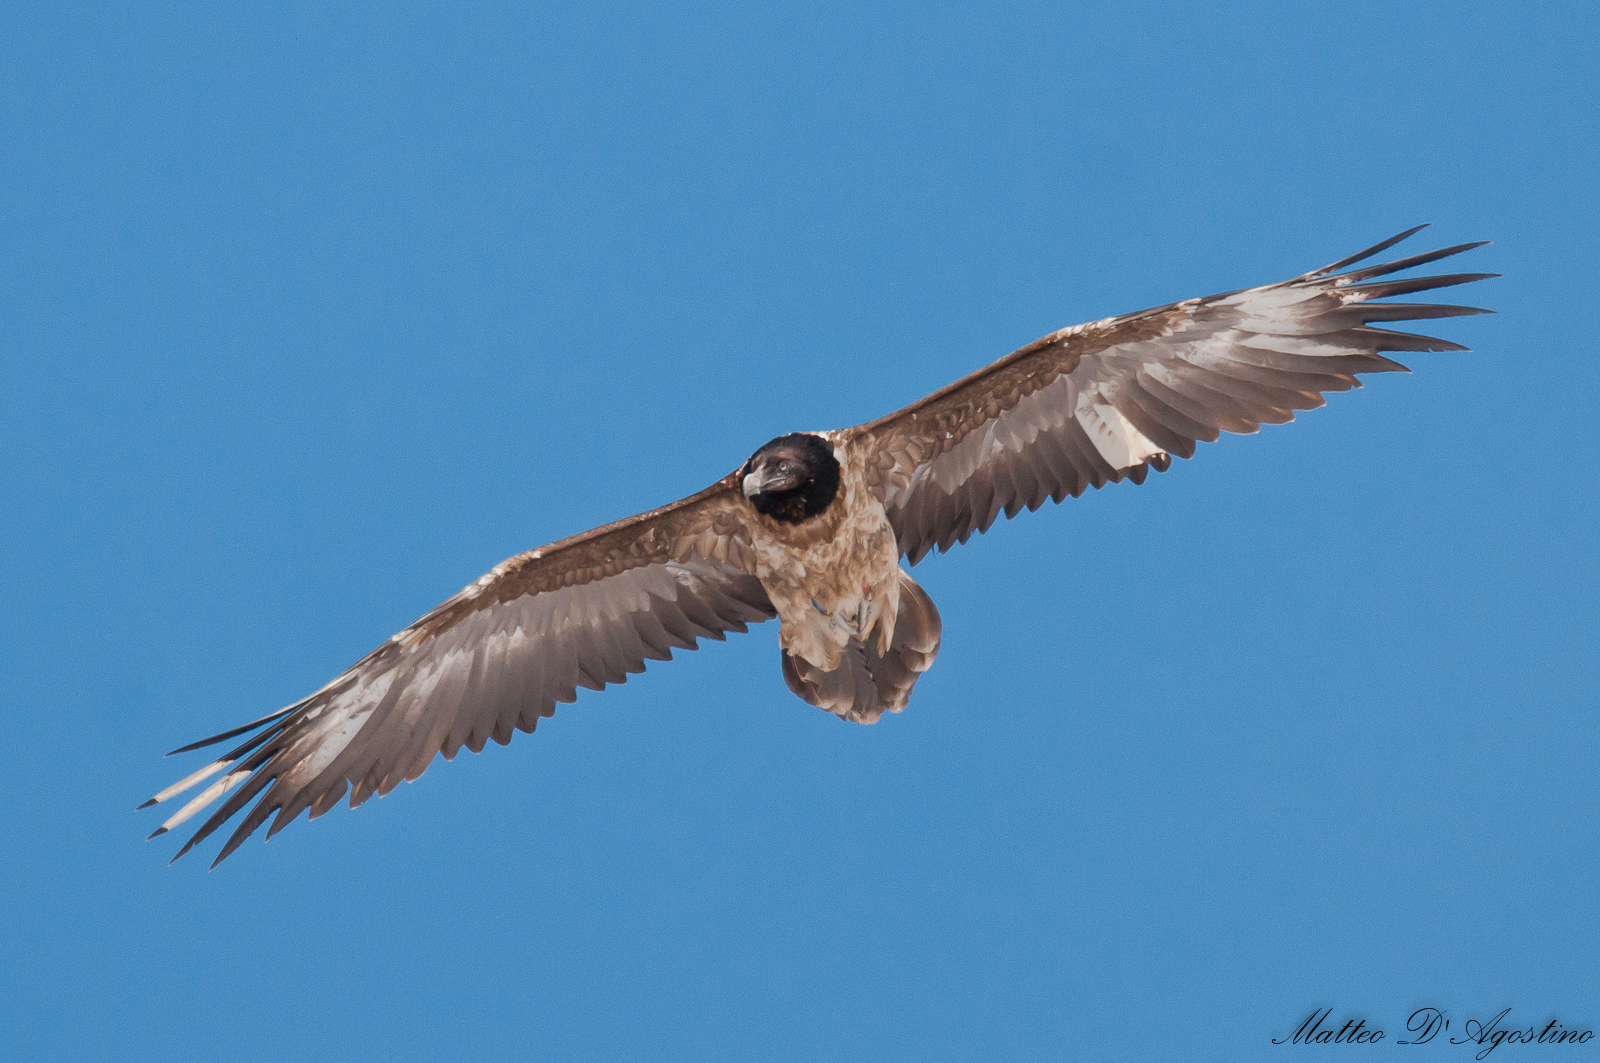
868,683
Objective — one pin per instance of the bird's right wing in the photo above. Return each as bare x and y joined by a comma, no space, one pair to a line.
499,655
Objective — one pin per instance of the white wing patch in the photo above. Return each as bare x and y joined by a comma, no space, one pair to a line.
206,796
1113,435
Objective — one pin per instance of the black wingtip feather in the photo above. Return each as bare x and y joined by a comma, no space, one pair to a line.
1368,253
146,805
225,735
1370,311
1407,263
1410,342
158,832
1408,285
240,797
266,806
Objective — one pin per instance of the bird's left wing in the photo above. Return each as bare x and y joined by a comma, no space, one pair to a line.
1110,400
585,611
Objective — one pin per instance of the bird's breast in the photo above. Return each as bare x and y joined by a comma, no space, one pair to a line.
833,578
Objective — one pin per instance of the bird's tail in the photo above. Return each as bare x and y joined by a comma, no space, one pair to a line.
868,683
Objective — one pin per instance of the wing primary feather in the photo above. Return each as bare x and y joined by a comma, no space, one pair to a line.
1383,245
362,761
201,800
1408,285
1379,339
1312,368
1365,313
330,797
240,798
221,762
364,785
187,781
250,824
290,810
225,735
1407,263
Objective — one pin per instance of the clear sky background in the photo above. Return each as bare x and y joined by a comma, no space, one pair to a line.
309,316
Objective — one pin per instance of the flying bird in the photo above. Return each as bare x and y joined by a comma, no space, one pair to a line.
812,529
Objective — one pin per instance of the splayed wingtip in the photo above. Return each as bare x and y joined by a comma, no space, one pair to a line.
1367,253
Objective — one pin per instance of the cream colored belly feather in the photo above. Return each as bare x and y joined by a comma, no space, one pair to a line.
836,578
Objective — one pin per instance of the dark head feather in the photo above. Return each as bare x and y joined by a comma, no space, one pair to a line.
795,477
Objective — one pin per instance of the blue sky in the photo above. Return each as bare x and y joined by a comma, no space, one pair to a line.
309,316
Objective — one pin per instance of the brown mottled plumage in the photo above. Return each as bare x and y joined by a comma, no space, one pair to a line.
811,530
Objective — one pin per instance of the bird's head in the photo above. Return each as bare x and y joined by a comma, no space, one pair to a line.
791,479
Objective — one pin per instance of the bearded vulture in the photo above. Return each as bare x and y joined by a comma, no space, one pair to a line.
812,530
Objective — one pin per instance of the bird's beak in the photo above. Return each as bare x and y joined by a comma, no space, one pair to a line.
766,481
